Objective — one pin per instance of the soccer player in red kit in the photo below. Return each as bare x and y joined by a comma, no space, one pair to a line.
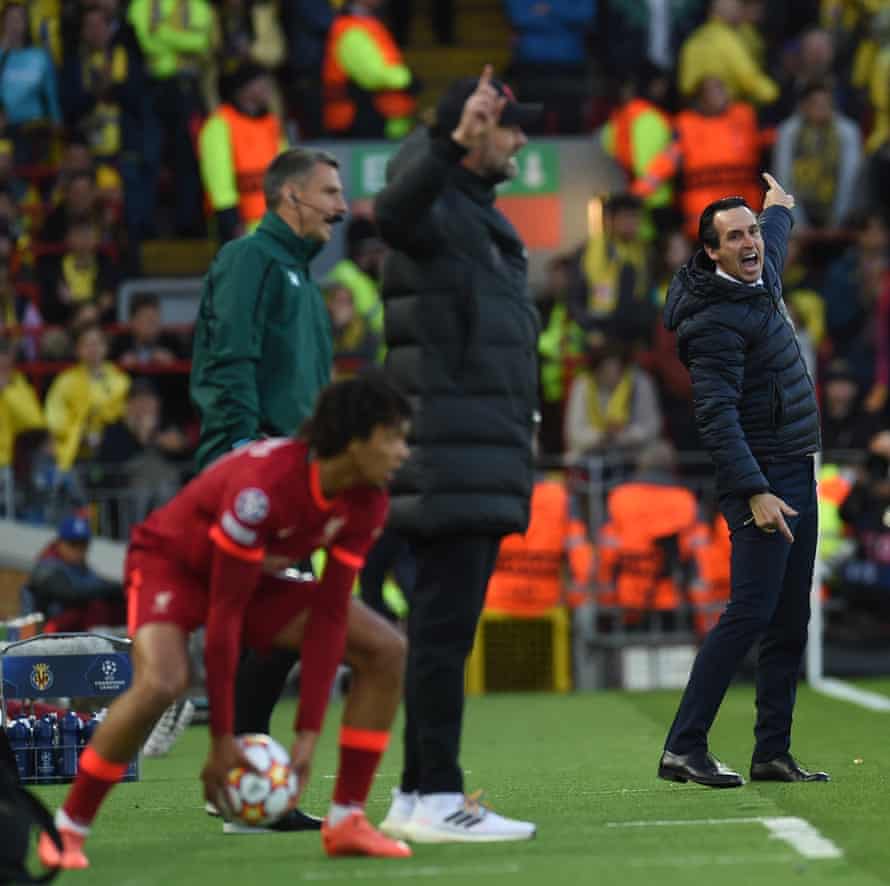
210,557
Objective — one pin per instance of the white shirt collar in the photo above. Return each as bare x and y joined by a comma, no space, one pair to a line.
721,273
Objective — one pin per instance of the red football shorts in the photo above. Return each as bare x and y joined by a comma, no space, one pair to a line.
160,590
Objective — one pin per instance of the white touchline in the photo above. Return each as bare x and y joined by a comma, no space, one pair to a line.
847,692
796,832
802,836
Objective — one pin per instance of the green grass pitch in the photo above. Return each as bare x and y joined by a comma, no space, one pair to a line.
579,766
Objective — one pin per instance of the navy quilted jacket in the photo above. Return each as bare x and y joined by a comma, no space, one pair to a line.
753,396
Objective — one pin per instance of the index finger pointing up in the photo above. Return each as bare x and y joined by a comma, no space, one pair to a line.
485,78
771,181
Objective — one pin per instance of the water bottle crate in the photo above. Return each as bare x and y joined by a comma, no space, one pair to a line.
34,769
53,666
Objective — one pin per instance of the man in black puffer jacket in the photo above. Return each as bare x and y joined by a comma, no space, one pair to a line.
756,412
461,332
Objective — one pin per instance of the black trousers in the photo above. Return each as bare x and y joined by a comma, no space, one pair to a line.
392,551
770,599
259,682
445,605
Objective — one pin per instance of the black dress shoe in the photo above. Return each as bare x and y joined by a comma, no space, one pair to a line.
784,768
698,766
296,820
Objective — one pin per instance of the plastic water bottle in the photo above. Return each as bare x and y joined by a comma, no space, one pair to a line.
88,729
45,750
70,732
20,737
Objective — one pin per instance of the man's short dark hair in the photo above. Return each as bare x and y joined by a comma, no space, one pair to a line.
81,331
707,232
143,300
350,410
142,387
817,84
622,202
296,163
78,174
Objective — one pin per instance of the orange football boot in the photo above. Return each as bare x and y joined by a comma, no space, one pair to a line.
71,858
355,835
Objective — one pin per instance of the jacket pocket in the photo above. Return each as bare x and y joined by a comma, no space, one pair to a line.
777,402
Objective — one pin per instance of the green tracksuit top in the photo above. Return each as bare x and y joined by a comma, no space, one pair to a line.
263,343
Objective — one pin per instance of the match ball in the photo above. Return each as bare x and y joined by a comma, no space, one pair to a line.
262,797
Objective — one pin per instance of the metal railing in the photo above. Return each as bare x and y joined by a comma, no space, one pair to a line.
116,496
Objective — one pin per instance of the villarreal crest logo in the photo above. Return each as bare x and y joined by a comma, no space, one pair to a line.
41,676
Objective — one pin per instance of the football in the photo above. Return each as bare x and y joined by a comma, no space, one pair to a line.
262,797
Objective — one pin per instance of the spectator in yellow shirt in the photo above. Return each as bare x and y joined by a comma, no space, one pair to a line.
84,399
19,407
717,49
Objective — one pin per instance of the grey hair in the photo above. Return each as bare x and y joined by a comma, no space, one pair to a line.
297,163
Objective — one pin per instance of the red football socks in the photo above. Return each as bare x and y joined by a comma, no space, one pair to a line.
95,778
360,753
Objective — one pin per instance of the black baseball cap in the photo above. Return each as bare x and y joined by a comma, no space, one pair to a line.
451,105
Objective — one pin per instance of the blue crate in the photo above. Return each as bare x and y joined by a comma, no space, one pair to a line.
50,675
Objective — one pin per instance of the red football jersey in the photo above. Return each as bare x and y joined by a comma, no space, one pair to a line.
266,498
263,498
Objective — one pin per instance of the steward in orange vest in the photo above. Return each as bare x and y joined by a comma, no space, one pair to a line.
654,553
365,82
235,147
638,130
528,577
709,587
716,151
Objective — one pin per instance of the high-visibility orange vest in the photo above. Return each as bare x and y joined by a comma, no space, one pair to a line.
623,120
339,107
632,573
720,159
256,142
717,156
528,575
709,591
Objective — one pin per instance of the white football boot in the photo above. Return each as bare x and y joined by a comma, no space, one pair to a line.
169,728
456,818
399,812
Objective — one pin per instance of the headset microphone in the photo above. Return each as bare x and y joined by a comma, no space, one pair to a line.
333,219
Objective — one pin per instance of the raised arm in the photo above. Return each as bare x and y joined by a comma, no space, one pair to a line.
402,208
776,223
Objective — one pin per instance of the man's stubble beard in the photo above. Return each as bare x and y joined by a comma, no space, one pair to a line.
503,172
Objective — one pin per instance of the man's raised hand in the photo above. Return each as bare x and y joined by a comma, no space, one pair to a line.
776,195
481,113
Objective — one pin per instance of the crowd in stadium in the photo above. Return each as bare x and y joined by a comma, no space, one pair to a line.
122,123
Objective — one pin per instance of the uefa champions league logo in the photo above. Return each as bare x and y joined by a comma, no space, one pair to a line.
252,506
107,675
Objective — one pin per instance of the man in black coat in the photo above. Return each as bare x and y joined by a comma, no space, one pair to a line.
756,412
461,332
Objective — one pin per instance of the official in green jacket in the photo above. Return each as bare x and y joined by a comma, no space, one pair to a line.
263,351
263,346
